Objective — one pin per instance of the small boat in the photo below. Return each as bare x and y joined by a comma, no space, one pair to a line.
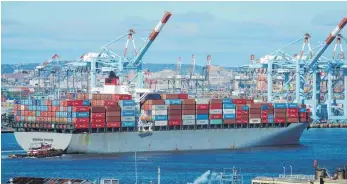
41,151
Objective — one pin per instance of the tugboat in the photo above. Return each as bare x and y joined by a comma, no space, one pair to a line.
39,150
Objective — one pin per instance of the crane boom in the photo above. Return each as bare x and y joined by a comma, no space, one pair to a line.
328,41
151,38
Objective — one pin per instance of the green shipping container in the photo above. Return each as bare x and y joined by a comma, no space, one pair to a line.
216,121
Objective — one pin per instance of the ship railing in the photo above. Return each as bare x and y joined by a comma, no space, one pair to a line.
298,176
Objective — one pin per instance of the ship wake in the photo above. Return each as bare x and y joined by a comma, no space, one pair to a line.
207,178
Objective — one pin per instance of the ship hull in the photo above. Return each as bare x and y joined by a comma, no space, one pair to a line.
173,140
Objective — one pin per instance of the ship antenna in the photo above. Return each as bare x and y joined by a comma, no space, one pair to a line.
135,169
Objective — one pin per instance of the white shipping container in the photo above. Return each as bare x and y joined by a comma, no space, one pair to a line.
159,112
188,122
254,120
160,123
188,117
128,118
22,107
203,101
159,107
128,108
216,111
202,122
229,111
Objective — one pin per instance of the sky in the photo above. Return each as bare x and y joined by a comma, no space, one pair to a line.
228,31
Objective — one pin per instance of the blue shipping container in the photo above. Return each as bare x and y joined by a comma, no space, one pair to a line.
160,118
229,106
173,102
264,107
245,108
128,124
229,116
293,105
37,113
86,103
270,116
202,117
82,114
128,113
227,101
153,97
280,105
270,121
127,102
302,110
69,108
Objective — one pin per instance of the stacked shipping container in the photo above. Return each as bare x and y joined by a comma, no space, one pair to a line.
114,111
128,113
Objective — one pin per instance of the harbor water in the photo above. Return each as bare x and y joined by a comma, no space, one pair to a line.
328,146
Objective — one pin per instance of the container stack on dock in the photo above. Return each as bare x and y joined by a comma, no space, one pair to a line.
188,111
202,111
128,113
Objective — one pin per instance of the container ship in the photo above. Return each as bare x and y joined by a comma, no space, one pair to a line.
115,121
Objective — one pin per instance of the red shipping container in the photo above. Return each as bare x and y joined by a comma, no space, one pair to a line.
292,115
216,101
95,121
174,112
175,122
204,111
189,101
292,120
49,114
264,120
216,116
264,112
125,97
174,107
239,121
239,101
80,109
245,121
229,121
188,107
202,106
113,124
292,110
216,106
98,125
50,108
81,125
264,116
302,115
188,112
280,120
249,101
110,102
98,115
175,117
183,96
